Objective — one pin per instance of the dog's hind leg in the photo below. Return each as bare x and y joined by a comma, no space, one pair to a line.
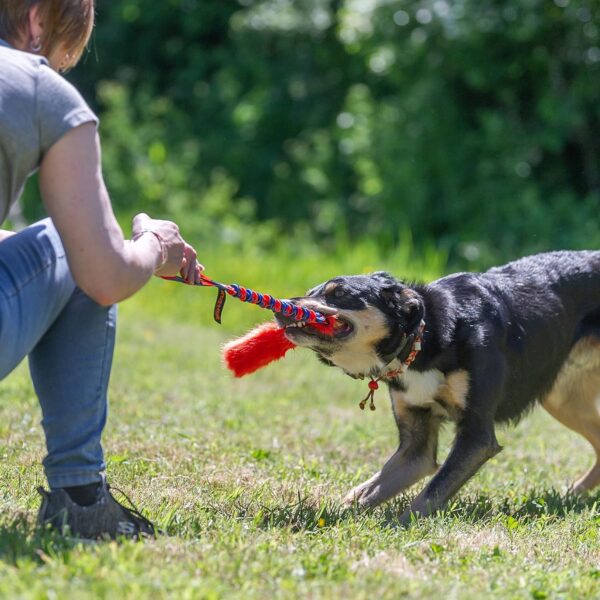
414,459
575,401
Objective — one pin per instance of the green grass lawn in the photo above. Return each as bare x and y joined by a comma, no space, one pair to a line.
246,476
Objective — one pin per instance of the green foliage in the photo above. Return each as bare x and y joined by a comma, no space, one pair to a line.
473,123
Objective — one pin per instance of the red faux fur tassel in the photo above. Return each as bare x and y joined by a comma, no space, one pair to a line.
261,346
256,349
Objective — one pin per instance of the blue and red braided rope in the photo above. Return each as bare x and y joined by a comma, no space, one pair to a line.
283,307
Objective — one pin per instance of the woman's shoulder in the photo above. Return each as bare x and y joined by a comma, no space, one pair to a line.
51,86
40,100
30,75
28,79
60,106
22,65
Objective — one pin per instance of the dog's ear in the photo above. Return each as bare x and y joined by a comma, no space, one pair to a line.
404,302
391,296
390,289
385,277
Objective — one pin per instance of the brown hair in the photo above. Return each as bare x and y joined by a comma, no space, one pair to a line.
67,23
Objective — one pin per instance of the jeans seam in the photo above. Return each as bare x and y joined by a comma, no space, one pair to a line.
102,465
104,376
21,285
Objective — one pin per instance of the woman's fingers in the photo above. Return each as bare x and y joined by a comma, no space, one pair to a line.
180,256
198,272
188,264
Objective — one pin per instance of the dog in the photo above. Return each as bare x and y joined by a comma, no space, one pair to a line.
483,348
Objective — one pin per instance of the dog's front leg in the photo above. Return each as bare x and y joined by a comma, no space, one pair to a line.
414,459
475,440
473,446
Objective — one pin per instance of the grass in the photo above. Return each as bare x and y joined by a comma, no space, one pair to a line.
245,476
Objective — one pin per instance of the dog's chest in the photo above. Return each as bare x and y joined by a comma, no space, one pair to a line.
422,388
445,395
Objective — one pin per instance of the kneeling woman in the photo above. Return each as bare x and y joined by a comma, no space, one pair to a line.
61,278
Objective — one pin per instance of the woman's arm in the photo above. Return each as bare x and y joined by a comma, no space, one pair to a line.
104,265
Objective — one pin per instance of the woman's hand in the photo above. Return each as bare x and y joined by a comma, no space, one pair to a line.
176,255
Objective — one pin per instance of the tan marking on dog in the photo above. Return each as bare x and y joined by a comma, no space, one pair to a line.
331,287
408,293
357,354
400,472
453,393
399,404
574,400
446,396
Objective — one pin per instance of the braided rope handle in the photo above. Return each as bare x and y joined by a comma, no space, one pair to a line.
283,307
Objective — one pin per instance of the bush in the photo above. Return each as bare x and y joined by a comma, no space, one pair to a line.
473,123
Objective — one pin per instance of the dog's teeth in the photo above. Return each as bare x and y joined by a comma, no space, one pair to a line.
297,324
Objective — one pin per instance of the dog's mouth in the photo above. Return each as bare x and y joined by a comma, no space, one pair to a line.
340,329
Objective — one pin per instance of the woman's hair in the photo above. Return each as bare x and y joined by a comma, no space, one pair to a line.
67,24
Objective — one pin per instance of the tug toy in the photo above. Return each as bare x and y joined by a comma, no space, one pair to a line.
267,342
261,346
284,307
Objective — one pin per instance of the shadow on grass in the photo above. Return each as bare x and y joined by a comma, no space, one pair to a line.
529,506
533,505
20,540
306,515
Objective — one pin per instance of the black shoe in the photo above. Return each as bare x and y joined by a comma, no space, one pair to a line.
105,519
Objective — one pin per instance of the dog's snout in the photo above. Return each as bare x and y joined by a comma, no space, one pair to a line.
312,304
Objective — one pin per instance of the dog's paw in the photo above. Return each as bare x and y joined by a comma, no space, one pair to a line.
364,495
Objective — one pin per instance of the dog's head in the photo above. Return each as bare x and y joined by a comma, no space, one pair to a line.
374,314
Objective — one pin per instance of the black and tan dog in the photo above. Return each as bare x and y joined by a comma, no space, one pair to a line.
493,345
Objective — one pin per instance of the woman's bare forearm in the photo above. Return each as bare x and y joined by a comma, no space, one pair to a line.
104,264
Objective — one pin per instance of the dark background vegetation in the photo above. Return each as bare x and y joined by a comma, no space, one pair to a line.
473,125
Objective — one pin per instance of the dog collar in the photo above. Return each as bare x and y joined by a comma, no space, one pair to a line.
394,373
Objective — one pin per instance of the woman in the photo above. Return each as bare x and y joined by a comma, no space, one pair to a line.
61,278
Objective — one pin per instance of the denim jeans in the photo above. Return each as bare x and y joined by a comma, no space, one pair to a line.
69,340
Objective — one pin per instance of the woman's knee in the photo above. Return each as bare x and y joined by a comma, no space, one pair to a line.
35,286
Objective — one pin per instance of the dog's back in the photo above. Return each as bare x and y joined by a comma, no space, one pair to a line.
573,275
535,310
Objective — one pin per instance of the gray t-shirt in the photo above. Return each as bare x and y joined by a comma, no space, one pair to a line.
37,107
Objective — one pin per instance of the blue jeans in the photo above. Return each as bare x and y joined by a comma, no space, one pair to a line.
69,340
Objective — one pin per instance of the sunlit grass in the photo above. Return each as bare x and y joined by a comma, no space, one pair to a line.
246,476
